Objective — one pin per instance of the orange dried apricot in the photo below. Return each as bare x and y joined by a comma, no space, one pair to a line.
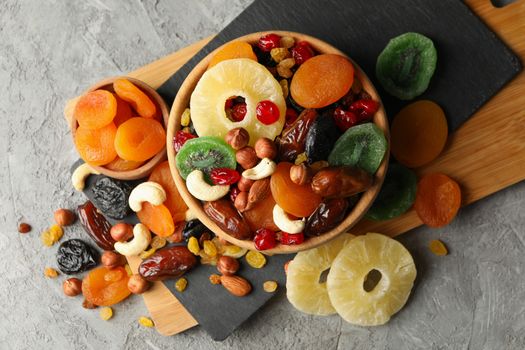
157,218
419,133
119,164
96,146
105,287
236,49
261,215
174,202
298,200
438,199
140,102
139,139
322,80
123,112
95,109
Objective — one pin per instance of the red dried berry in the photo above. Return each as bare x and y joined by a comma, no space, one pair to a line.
264,239
364,109
228,104
234,192
224,176
238,112
302,52
180,139
344,119
268,42
267,112
290,117
292,238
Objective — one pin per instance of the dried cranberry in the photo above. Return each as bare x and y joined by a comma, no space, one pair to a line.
264,239
238,112
228,104
302,52
291,116
234,192
267,112
292,238
180,139
344,119
268,42
364,109
224,176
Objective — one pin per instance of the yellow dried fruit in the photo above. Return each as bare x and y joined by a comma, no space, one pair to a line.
158,242
279,53
147,253
301,158
209,248
208,260
287,42
255,259
437,247
50,272
187,130
185,118
47,239
181,284
146,322
284,87
215,279
128,270
193,245
106,313
56,232
270,286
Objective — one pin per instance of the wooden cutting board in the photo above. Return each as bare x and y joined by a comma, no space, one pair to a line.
485,155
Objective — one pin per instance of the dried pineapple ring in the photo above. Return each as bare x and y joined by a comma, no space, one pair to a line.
303,287
350,269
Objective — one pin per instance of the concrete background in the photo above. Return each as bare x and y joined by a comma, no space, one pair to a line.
51,50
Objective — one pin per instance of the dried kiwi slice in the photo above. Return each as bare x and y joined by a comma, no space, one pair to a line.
205,153
406,64
397,194
363,146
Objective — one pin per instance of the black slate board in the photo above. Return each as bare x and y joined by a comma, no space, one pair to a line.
473,64
216,310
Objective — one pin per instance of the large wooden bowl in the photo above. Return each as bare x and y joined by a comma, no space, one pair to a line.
182,101
146,168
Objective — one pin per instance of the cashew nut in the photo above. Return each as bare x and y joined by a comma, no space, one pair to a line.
139,243
81,174
200,189
283,222
190,215
146,192
265,168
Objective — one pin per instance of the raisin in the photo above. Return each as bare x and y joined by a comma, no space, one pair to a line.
76,256
96,225
111,197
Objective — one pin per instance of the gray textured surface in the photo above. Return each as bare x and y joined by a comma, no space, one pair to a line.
51,50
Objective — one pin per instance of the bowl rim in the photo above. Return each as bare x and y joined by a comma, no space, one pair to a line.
145,169
181,102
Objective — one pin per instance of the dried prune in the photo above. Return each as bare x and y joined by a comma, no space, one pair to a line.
321,138
293,140
193,228
111,197
167,263
75,255
96,225
327,216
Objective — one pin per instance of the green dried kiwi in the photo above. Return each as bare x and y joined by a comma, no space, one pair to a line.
363,146
397,194
204,153
406,64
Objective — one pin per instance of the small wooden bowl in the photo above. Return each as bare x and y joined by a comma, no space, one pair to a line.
182,102
107,84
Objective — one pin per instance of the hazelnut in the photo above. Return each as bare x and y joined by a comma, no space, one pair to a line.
25,228
111,259
245,184
237,138
241,201
72,287
121,232
300,174
64,217
137,284
265,148
205,236
227,265
247,157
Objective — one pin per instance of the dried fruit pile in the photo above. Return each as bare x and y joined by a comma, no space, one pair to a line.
278,141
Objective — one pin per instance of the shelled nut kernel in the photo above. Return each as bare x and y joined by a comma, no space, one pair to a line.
72,287
121,232
247,157
64,217
137,284
111,259
237,138
227,265
265,148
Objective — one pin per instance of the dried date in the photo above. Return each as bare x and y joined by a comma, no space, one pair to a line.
96,225
340,182
224,214
327,216
166,263
111,197
293,140
75,255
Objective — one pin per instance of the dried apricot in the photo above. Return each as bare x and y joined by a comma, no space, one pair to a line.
139,139
322,80
96,147
438,199
157,218
419,133
105,287
261,215
95,109
119,164
123,112
140,102
174,202
235,49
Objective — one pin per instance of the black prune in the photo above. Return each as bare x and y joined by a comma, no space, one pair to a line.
321,138
193,228
75,255
111,197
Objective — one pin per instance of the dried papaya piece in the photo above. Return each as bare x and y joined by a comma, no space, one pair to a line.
235,49
157,218
96,146
140,102
119,164
95,109
174,202
123,112
139,139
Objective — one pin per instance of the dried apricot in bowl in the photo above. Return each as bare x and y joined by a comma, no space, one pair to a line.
105,287
95,109
140,102
438,199
139,139
174,202
235,49
96,146
123,112
322,80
